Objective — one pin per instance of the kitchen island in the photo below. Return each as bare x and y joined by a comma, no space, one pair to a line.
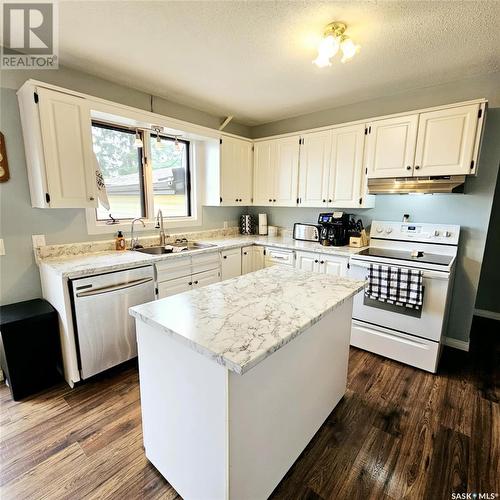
237,377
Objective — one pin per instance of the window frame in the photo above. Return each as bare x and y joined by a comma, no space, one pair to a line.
95,226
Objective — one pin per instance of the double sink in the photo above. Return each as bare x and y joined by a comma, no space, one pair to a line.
186,246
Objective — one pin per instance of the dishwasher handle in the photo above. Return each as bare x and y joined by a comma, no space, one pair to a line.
121,286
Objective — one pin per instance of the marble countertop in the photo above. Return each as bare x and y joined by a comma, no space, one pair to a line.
240,322
76,266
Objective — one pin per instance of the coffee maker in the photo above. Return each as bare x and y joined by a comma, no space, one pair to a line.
334,229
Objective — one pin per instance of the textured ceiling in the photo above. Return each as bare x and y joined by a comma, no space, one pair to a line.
253,59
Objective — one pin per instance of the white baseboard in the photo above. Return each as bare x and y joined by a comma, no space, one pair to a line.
487,314
456,344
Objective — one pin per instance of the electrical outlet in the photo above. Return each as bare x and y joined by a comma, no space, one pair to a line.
38,240
2,247
226,224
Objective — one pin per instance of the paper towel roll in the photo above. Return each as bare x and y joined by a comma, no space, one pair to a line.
262,224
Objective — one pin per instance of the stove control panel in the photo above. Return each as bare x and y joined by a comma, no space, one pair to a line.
413,231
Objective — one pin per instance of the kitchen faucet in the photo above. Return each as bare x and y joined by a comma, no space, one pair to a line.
134,242
159,225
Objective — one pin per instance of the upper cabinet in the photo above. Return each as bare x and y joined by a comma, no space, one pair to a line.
445,141
438,143
58,144
390,148
236,171
315,152
276,169
331,169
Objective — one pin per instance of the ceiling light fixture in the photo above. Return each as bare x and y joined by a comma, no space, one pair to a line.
138,140
333,40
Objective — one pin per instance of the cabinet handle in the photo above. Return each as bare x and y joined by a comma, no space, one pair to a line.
91,198
274,200
408,167
225,256
196,282
316,261
324,201
241,199
322,262
236,199
329,201
270,199
417,167
190,283
244,253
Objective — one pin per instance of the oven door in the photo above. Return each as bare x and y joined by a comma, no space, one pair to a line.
427,323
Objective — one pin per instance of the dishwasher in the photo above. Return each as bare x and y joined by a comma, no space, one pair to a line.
105,332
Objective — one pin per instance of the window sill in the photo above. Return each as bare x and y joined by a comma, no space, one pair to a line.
169,223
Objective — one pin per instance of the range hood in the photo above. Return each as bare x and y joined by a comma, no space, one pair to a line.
422,185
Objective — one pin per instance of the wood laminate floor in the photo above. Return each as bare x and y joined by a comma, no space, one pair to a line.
398,433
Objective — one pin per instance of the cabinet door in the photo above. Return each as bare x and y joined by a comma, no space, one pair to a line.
231,263
346,166
391,147
286,174
307,261
331,264
263,181
206,278
175,286
246,260
236,172
314,168
257,258
67,145
445,141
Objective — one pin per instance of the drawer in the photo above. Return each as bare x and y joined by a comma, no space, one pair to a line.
414,351
278,256
205,262
173,268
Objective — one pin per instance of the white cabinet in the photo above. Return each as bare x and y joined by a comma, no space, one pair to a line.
206,278
58,143
391,146
346,167
314,170
445,141
263,184
278,256
228,172
322,263
175,286
230,263
252,259
286,173
236,171
276,168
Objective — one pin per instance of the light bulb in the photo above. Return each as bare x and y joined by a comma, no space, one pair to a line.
138,140
177,146
158,143
349,49
327,48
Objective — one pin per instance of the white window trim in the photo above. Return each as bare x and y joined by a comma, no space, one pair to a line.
195,219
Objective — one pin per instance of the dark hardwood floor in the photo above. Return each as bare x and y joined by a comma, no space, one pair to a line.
398,433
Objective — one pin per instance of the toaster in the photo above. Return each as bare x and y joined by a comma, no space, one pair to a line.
305,232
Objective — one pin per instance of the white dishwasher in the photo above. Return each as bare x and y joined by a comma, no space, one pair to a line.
105,332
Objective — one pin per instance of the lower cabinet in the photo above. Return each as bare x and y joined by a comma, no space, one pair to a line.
252,259
322,263
186,283
230,263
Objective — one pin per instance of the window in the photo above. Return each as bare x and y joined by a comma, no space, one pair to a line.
171,176
121,167
134,191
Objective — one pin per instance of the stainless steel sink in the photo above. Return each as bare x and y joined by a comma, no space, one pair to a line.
191,245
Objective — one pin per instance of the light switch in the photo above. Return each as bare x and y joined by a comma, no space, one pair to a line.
2,247
38,240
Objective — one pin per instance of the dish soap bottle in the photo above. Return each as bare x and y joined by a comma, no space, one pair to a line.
120,241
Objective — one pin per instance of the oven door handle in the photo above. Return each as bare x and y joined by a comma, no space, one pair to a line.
440,275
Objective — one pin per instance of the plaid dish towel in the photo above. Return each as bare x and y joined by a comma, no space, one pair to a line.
395,285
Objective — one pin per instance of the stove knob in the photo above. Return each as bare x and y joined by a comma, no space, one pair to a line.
380,229
446,234
436,233
388,230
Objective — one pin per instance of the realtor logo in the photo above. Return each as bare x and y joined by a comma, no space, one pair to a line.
29,36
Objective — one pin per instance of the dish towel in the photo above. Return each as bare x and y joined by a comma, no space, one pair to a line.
102,194
395,285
